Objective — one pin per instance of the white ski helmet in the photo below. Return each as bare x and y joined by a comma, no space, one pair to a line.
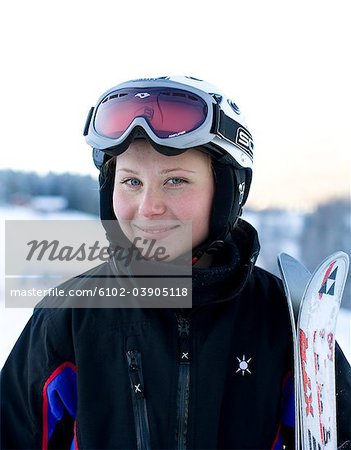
177,113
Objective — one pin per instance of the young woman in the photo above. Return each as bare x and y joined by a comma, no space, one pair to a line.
217,375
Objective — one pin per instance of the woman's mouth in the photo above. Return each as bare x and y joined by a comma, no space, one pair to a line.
154,232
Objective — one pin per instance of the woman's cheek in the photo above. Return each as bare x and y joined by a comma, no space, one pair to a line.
196,207
123,207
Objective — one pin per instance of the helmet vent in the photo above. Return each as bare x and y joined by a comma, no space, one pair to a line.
180,94
111,97
193,78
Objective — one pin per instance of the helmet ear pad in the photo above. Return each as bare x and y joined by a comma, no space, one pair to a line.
232,187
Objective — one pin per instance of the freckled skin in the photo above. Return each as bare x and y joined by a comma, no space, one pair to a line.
158,192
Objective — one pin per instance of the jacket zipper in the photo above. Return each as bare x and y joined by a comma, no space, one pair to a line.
183,382
139,401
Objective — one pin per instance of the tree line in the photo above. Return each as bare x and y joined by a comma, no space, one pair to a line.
80,191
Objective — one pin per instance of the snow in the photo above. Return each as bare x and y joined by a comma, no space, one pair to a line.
12,320
49,203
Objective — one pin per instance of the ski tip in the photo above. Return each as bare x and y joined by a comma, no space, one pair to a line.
339,258
285,260
340,255
285,257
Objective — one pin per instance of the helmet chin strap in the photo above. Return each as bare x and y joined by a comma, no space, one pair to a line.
210,246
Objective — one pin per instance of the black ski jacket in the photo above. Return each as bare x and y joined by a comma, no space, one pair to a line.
217,376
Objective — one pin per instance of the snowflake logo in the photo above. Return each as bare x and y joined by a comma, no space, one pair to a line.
243,365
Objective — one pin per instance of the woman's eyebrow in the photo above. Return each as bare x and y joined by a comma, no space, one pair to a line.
175,169
124,169
127,170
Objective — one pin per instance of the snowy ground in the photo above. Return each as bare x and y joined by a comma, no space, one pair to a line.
12,321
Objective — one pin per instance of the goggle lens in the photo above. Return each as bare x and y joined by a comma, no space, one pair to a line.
169,112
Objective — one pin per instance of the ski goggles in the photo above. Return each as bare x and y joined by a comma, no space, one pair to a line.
174,117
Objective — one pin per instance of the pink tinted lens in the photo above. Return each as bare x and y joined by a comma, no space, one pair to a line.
167,111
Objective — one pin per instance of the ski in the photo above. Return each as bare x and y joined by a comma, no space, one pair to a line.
314,302
295,278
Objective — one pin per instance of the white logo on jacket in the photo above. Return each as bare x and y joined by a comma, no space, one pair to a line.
243,365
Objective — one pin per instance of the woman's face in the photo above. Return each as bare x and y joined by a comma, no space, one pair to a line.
163,198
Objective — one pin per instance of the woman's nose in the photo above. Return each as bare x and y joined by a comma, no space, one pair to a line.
152,203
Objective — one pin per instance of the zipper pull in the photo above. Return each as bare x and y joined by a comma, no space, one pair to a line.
183,331
134,371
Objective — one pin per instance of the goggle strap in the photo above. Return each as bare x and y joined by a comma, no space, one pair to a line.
235,133
215,120
87,122
227,127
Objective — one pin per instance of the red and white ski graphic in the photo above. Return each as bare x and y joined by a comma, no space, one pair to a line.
316,344
318,297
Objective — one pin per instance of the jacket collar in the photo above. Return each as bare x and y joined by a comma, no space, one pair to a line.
230,270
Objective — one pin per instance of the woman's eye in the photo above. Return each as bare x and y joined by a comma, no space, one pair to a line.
176,181
134,182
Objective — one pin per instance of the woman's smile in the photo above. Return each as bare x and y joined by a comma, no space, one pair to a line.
156,232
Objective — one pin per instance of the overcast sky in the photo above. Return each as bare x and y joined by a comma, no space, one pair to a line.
286,64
